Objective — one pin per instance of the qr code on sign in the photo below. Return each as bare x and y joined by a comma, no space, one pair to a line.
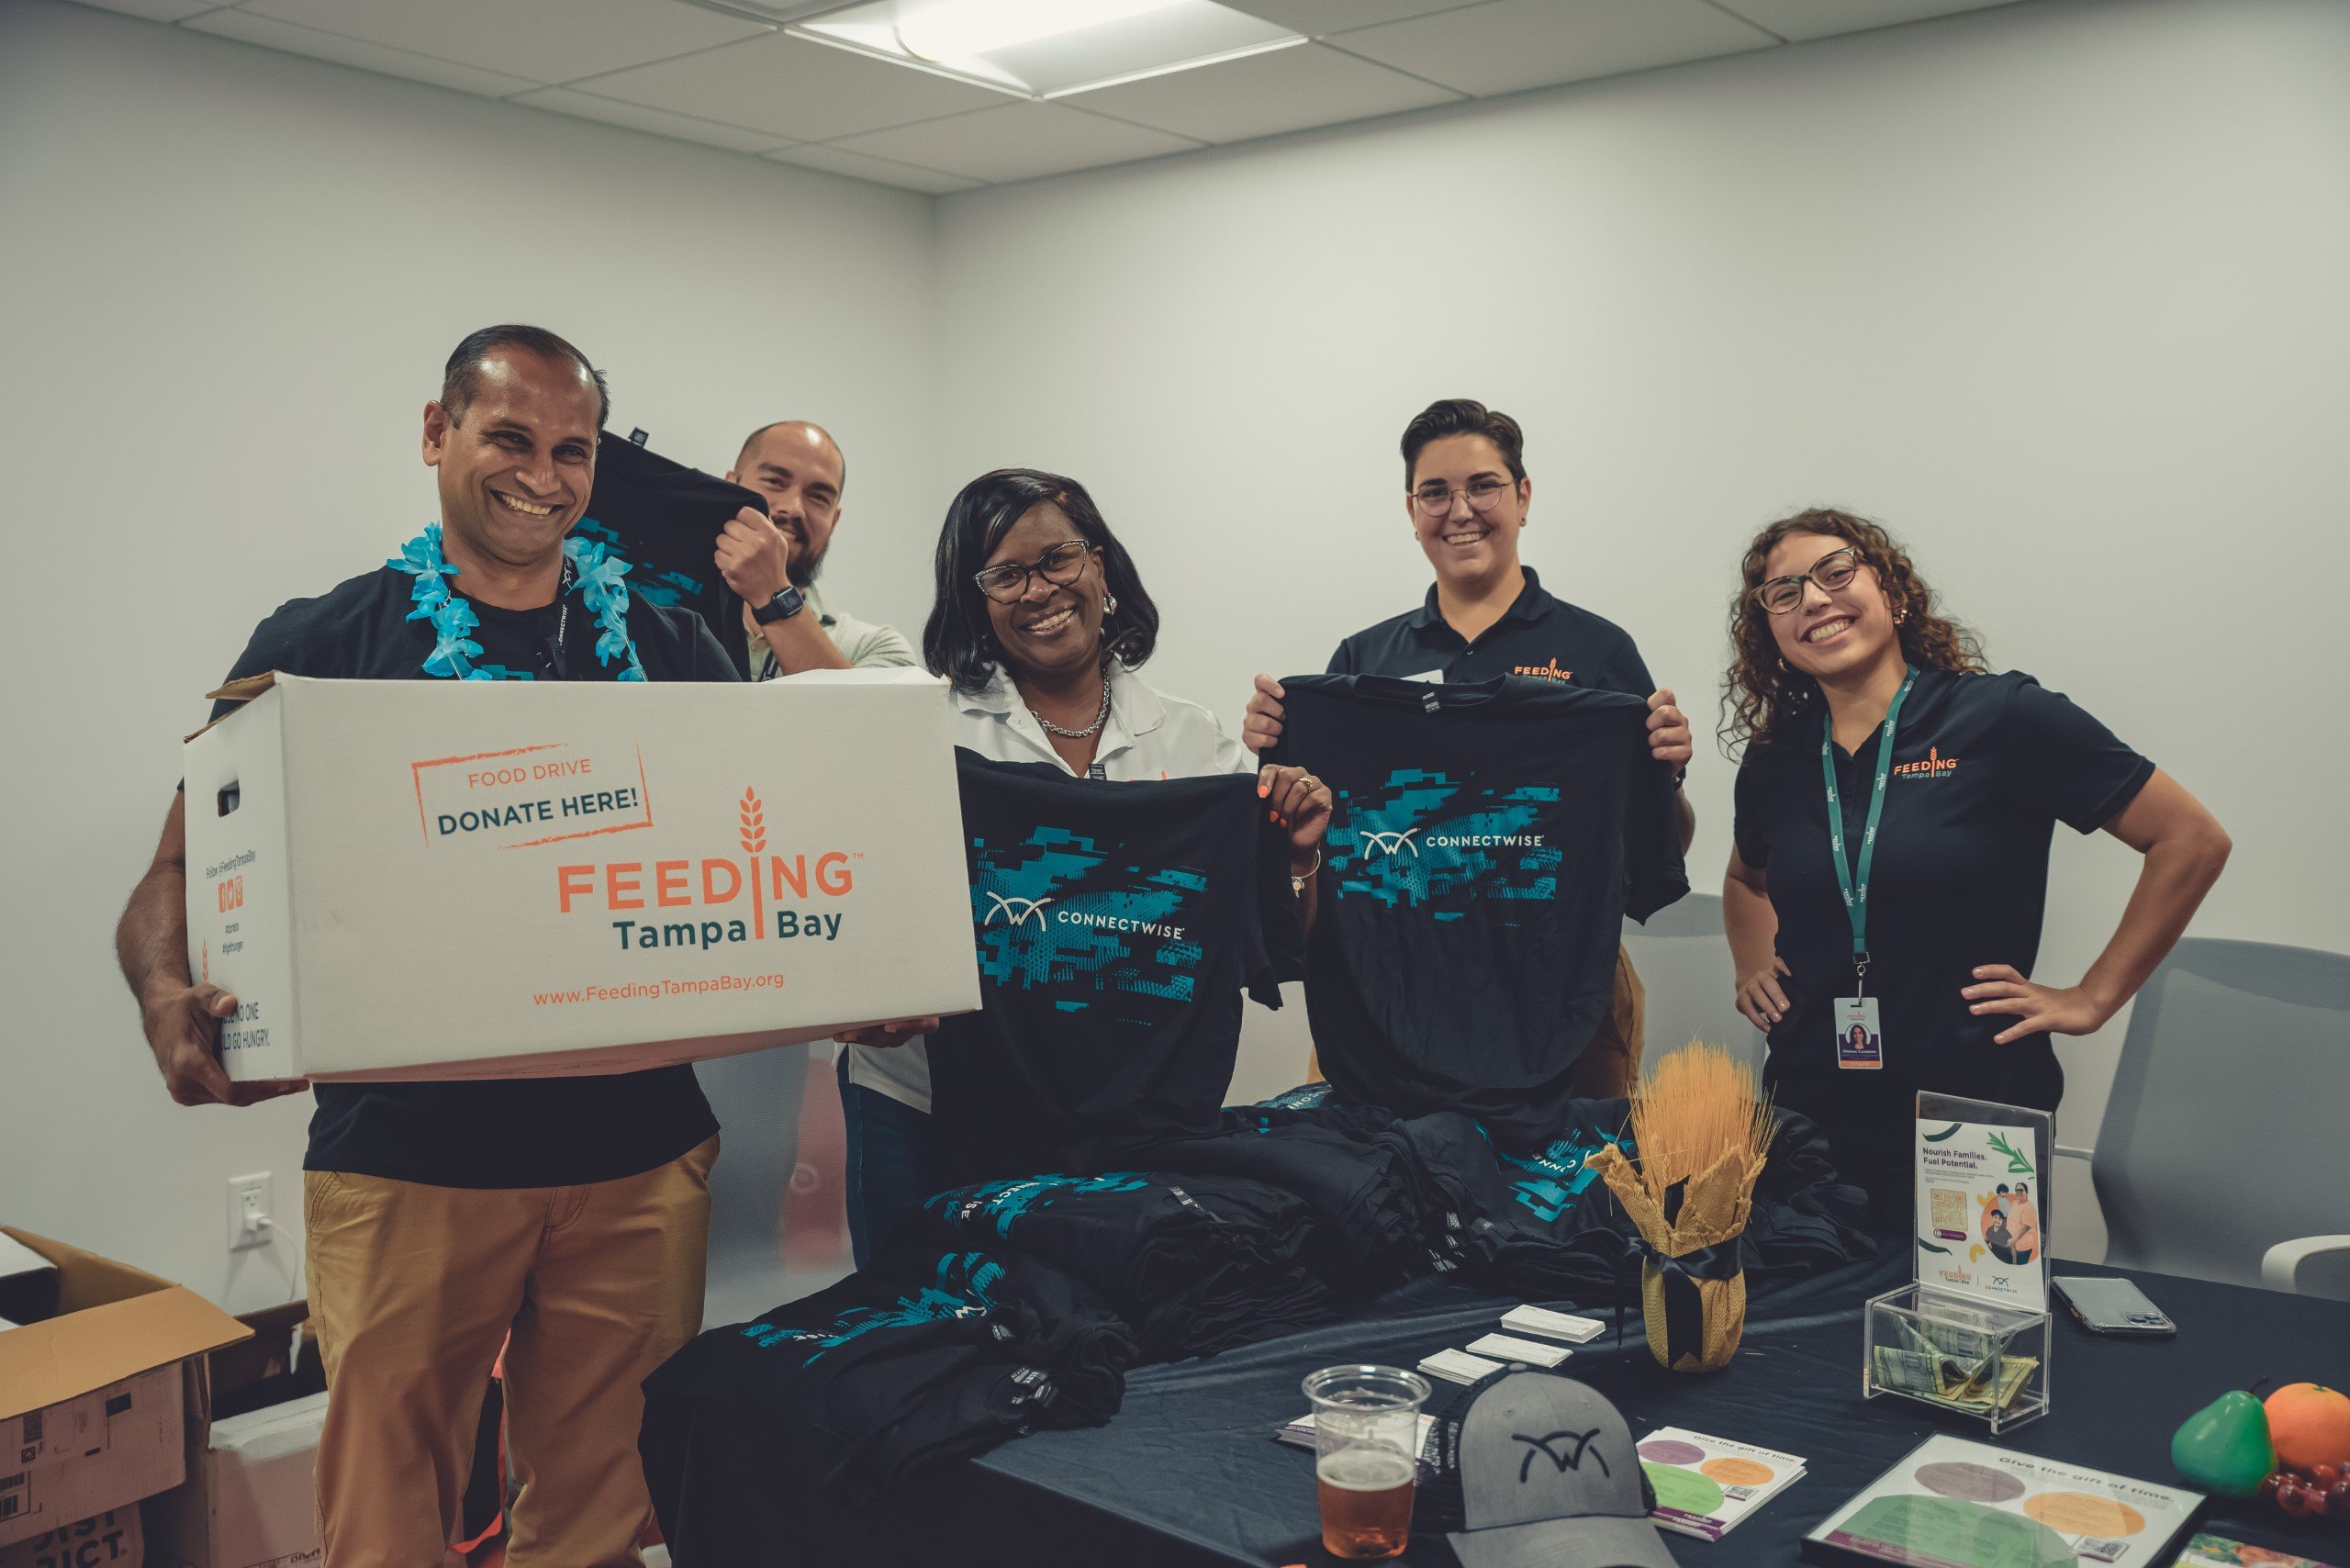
1949,1209
2104,1551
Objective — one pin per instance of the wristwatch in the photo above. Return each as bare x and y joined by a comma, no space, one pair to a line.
782,607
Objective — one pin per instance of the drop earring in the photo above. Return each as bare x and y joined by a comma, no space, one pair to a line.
1109,605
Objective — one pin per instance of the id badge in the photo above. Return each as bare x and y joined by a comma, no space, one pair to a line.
1860,1039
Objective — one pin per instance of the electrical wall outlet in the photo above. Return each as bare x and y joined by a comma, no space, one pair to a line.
249,1211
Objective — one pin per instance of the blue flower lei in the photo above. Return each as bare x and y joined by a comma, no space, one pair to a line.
600,573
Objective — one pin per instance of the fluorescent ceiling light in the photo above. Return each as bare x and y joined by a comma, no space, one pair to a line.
1046,49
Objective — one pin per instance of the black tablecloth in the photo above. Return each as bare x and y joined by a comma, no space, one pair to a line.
1189,1474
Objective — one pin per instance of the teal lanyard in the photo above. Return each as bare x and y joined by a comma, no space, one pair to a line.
1856,891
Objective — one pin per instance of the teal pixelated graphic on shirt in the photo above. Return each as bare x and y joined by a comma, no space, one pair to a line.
1057,912
961,1287
1425,840
1001,1203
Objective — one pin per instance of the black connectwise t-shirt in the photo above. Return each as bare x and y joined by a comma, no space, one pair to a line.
1487,841
521,1132
1984,767
1540,636
1117,924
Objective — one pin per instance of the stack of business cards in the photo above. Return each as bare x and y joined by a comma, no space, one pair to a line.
1549,1325
1510,1348
1299,1434
1458,1366
1704,1485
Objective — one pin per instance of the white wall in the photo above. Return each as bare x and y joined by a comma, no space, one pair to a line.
228,279
2056,291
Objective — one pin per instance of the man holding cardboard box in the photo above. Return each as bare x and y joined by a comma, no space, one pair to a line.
569,1212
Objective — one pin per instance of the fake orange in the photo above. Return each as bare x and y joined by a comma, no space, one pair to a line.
2310,1424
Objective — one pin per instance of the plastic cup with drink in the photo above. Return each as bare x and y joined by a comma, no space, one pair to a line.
1366,1448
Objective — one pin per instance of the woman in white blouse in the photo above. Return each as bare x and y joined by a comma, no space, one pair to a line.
1040,624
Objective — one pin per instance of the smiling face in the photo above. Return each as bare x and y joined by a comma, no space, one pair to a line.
516,464
1467,546
1052,628
799,471
1831,635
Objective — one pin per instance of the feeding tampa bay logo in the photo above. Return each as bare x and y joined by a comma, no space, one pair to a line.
1060,910
1427,838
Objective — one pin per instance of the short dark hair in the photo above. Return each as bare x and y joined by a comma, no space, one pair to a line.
751,440
461,377
958,642
1463,416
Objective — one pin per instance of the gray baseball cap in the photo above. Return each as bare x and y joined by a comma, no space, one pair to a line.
1538,1471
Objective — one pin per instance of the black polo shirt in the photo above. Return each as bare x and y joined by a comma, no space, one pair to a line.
1540,635
1984,765
499,1132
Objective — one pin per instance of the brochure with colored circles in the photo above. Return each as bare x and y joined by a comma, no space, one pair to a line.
2219,1552
1704,1485
1954,1503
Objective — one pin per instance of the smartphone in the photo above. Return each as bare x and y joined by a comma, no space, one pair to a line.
2111,1306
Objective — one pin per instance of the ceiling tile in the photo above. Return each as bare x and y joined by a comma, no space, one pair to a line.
660,122
1018,141
1319,16
155,10
1822,18
1264,94
270,33
801,91
544,41
1506,46
881,170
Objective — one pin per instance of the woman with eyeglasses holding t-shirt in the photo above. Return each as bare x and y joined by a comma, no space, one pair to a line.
1040,624
1486,615
1889,871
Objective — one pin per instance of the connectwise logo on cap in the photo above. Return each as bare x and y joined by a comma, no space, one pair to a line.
1426,839
1565,1449
1057,911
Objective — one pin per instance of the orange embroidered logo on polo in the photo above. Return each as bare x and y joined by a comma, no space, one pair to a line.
1933,765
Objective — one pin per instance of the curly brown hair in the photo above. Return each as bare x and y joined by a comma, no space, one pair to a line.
1765,699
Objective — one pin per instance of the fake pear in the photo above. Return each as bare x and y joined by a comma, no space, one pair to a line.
2225,1448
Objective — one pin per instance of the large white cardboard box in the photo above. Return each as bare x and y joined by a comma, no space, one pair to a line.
511,878
251,1500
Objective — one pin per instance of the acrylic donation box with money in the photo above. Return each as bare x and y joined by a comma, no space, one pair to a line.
1970,1332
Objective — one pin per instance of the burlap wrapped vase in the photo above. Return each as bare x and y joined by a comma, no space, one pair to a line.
1693,1291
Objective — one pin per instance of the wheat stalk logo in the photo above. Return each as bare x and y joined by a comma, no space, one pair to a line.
754,832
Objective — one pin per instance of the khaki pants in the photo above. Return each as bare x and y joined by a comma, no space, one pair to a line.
1610,1065
415,1288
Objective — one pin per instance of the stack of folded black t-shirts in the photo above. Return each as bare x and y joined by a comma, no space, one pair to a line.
1366,1190
1806,1217
1193,1264
855,1386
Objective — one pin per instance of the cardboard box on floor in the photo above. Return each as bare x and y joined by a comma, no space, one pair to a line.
436,878
250,1499
97,1386
111,1539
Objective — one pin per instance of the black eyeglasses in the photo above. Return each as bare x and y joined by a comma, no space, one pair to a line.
1435,500
1007,581
1831,571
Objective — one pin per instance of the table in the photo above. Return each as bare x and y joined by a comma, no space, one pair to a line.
1189,1474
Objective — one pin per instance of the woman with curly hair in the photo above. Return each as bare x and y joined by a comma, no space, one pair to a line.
1895,806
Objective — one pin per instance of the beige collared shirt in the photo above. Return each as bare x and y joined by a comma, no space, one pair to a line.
866,645
1149,734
